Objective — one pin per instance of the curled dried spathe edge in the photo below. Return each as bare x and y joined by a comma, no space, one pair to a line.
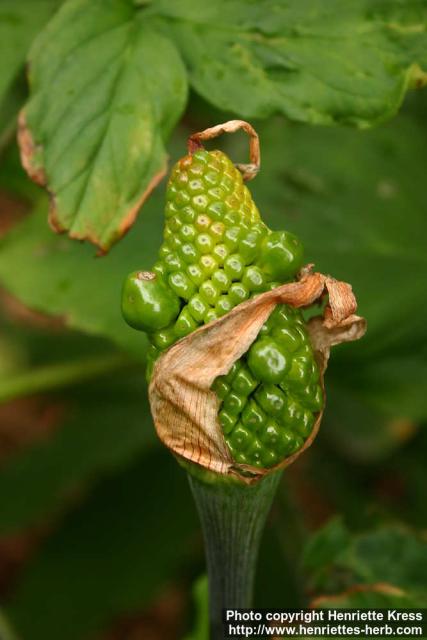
185,410
248,171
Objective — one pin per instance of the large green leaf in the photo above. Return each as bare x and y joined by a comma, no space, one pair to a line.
111,556
318,62
106,89
108,84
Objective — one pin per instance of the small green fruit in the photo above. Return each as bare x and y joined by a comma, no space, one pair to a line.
147,303
282,255
268,361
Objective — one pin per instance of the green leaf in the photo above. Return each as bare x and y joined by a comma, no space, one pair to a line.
111,556
19,23
106,90
324,547
106,425
334,559
317,62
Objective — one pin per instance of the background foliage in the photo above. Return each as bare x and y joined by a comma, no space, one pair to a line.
98,534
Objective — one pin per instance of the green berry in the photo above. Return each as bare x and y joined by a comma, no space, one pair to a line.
221,387
287,442
268,361
234,266
147,304
253,416
208,265
234,403
244,382
185,324
253,278
270,434
221,280
231,237
197,308
288,337
210,316
234,370
238,293
196,274
227,421
188,253
300,372
223,306
204,243
181,284
220,253
209,292
255,452
241,439
249,246
281,255
271,398
163,339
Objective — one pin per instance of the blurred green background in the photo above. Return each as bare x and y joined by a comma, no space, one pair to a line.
99,538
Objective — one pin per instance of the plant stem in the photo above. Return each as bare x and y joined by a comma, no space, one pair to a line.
233,518
59,375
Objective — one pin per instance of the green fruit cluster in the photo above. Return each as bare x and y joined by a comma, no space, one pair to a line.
270,397
216,253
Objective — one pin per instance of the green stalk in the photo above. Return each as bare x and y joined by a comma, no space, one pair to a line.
232,518
59,375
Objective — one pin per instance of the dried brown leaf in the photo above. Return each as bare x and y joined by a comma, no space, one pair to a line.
184,408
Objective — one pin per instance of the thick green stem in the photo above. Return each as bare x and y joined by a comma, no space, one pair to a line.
59,375
233,518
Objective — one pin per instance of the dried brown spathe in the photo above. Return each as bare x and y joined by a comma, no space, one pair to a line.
248,171
183,406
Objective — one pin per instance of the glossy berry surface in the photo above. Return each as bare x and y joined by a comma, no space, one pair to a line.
216,253
270,397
